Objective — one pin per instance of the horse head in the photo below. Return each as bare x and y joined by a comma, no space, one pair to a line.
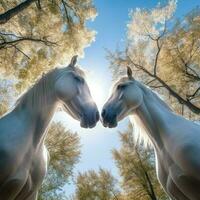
74,94
126,96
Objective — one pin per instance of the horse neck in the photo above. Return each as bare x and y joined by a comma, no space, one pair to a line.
43,116
38,106
153,115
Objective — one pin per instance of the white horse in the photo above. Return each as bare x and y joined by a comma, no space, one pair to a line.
176,141
23,156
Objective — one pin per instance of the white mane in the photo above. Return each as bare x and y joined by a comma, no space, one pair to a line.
36,96
140,133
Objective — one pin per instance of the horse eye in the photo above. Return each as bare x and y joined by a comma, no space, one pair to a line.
119,87
79,79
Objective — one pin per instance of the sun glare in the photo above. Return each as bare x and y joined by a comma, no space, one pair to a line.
97,91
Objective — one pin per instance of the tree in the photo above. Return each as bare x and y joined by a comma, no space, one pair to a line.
99,185
64,150
6,94
164,58
137,169
37,35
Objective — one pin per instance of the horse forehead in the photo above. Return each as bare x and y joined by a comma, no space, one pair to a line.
78,71
120,81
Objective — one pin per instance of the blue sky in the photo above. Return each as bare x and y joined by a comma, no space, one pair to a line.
110,26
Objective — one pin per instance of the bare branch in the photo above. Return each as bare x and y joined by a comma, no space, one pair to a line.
159,46
194,74
12,39
21,51
193,52
156,57
147,176
194,95
158,37
181,100
157,86
6,16
69,20
38,4
147,83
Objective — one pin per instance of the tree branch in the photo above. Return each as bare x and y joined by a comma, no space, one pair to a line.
13,39
152,193
181,100
147,83
69,19
20,51
156,58
38,4
159,46
194,74
190,97
6,16
157,86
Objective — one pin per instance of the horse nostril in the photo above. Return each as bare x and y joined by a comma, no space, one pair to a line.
97,116
103,113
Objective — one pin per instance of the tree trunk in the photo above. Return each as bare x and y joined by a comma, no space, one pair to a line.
152,193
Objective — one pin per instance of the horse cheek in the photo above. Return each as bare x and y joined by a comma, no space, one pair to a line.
65,91
134,98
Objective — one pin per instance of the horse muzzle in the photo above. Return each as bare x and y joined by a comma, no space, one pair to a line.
89,119
109,119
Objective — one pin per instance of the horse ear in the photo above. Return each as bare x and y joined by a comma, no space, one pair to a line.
129,73
74,60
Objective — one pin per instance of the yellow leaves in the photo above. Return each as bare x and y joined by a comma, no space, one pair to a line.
33,60
3,108
145,22
96,185
177,56
18,86
53,8
23,73
161,14
42,54
45,23
92,13
135,164
65,148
